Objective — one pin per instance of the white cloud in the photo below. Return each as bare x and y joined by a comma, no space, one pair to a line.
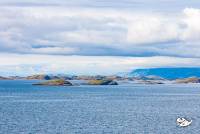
46,31
54,50
153,29
90,31
17,64
192,20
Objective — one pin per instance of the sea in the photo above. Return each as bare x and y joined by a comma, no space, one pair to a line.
121,109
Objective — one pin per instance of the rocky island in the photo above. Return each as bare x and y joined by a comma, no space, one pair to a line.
188,80
102,82
69,80
58,82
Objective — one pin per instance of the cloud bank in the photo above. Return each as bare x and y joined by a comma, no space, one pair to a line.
102,34
61,31
17,64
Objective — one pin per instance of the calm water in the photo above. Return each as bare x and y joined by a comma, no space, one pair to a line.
127,109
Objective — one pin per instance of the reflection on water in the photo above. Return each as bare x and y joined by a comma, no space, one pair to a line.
126,109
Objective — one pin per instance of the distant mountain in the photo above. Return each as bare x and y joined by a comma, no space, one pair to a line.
167,73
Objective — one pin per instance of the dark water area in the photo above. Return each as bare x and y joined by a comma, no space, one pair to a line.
123,109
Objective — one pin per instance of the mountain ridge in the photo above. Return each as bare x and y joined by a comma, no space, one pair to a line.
167,73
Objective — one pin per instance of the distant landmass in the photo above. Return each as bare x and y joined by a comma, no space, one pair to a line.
167,73
139,76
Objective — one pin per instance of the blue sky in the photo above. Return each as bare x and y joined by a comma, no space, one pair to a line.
104,36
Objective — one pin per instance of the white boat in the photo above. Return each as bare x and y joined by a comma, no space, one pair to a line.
180,120
183,122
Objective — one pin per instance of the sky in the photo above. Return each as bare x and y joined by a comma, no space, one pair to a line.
97,36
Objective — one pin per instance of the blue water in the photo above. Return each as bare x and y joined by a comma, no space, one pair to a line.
125,109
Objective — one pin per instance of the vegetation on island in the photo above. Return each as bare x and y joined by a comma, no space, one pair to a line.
57,82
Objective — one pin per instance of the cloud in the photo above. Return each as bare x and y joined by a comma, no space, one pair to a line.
106,36
96,31
153,29
192,21
155,5
18,64
54,50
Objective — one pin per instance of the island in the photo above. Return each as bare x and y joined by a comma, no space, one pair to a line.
73,80
188,80
102,82
58,82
